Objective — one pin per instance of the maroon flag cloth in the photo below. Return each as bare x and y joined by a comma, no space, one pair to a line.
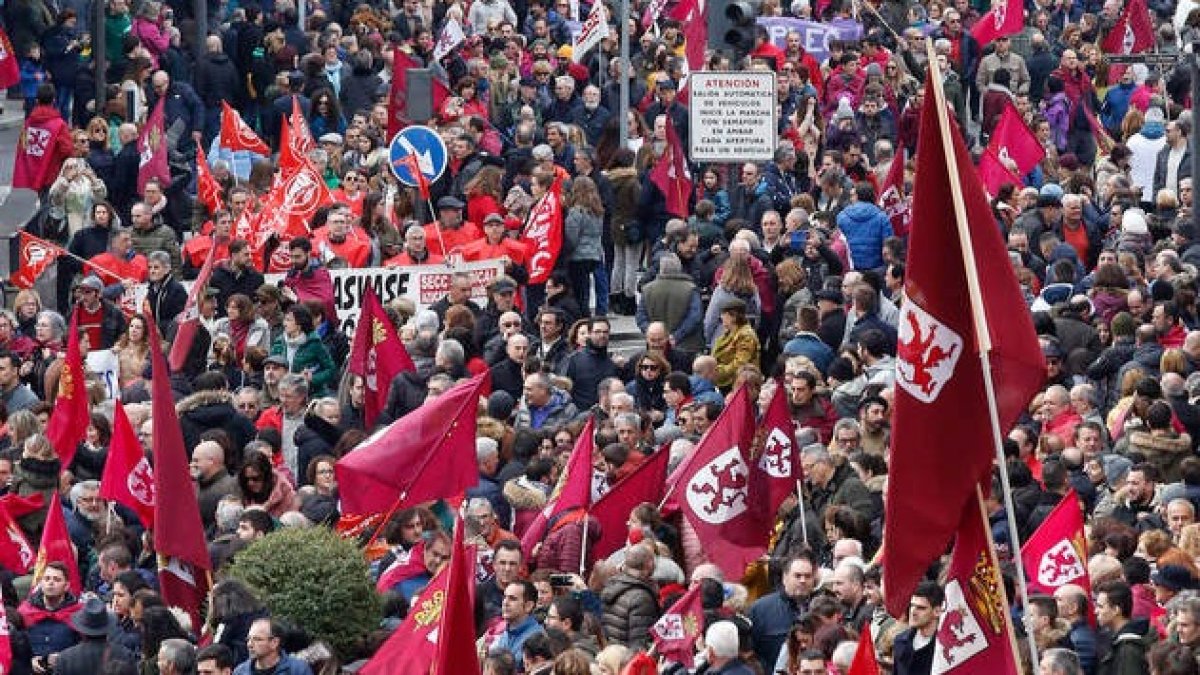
671,174
1133,32
973,631
189,318
377,356
676,631
427,454
128,477
411,650
398,96
776,465
573,490
1006,17
56,546
70,418
1056,554
183,562
894,199
694,21
1012,142
939,375
645,484
456,635
152,149
714,491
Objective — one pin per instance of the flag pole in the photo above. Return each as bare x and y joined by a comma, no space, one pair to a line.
995,559
983,337
800,505
584,547
63,251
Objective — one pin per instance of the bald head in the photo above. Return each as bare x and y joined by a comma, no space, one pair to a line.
208,460
214,44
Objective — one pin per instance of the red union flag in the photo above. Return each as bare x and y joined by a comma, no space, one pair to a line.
378,355
295,139
69,420
973,631
1012,144
939,374
237,135
671,174
676,632
398,95
1056,555
893,199
208,190
543,234
35,256
56,546
128,477
1133,32
1006,17
645,484
695,33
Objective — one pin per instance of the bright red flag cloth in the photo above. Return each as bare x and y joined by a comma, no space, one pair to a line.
378,355
69,421
183,559
1056,554
994,173
295,138
44,145
152,149
715,490
128,478
15,552
189,319
543,234
572,491
1006,17
288,209
675,633
645,484
973,631
864,662
427,454
694,21
208,190
412,649
237,135
1013,141
35,256
671,174
413,165
456,634
406,566
941,433
893,198
398,95
10,70
776,466
1132,33
56,546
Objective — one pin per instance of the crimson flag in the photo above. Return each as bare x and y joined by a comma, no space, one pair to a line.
939,375
56,546
427,454
15,552
894,199
189,319
35,256
1012,141
994,173
10,69
776,466
572,491
237,135
1006,17
288,208
456,632
695,32
864,662
208,190
973,630
543,234
411,650
413,166
69,421
676,631
295,138
398,95
183,561
406,566
1056,554
152,149
128,478
378,355
1132,33
716,490
644,484
671,174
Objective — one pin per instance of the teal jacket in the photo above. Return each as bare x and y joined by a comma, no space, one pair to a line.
309,355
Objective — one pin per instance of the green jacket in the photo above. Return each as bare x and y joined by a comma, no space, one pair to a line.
311,355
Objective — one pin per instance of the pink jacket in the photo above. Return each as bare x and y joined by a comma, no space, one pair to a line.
152,36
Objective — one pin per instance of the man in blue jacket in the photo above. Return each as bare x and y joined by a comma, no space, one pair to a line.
266,654
865,226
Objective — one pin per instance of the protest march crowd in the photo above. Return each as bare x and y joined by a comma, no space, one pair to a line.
918,394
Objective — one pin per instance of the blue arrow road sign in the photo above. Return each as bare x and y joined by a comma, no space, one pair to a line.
429,149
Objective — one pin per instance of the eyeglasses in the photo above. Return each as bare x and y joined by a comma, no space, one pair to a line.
648,366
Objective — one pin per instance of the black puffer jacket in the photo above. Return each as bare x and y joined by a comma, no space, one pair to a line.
359,90
217,79
630,610
206,410
315,437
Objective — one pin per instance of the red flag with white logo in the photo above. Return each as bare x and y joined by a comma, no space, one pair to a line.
35,256
1012,144
295,138
940,388
56,546
10,67
378,355
237,135
288,208
776,465
973,634
543,234
672,176
208,190
71,416
572,491
1056,554
1132,33
413,165
644,484
15,552
675,633
152,149
894,199
1006,17
714,491
128,478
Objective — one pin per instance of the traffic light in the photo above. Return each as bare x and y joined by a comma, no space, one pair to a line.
731,25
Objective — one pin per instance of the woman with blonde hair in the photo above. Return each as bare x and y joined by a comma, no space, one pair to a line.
1173,361
73,193
132,350
582,231
1159,548
612,659
1189,541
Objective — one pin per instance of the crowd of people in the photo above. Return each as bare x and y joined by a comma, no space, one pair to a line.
783,273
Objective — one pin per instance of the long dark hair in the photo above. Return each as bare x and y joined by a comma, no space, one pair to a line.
262,463
232,598
158,625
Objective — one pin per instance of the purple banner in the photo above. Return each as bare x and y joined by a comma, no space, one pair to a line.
815,36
